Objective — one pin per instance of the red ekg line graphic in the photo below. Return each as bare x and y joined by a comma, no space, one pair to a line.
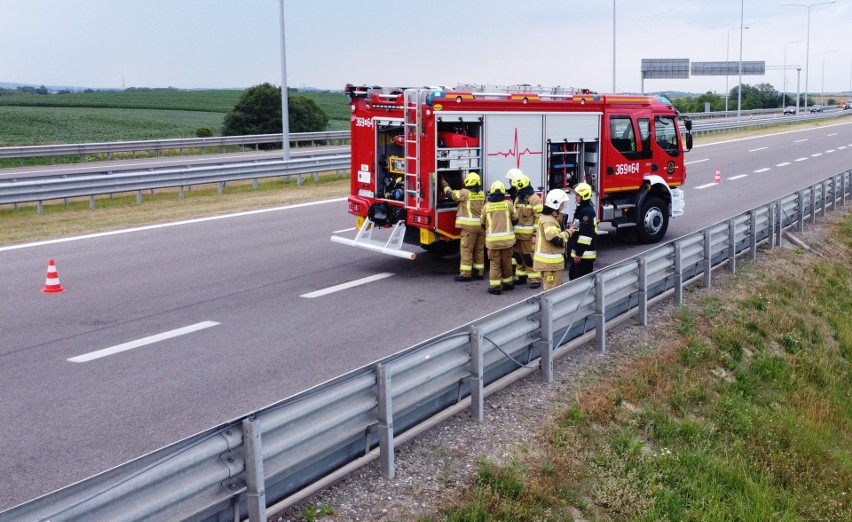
513,152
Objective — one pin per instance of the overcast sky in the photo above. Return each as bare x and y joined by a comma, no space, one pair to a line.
231,43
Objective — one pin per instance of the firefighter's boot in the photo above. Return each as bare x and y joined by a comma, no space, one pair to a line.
535,284
494,290
508,286
521,280
463,279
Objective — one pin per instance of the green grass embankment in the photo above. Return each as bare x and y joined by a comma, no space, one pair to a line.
742,413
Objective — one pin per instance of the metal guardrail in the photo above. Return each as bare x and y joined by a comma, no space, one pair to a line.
90,185
109,148
287,450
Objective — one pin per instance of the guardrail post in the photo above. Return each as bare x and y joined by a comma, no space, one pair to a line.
254,184
138,197
752,216
91,201
801,211
843,188
40,207
546,338
643,291
220,187
383,383
770,236
678,273
824,198
732,246
477,394
180,192
255,485
600,313
834,193
780,229
813,204
708,259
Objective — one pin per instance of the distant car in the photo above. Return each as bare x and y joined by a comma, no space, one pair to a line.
789,110
847,105
816,108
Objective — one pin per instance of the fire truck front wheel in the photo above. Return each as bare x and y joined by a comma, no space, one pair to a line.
653,220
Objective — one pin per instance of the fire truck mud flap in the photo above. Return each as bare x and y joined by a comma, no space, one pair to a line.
392,246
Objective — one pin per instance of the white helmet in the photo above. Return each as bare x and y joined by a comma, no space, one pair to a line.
513,174
555,198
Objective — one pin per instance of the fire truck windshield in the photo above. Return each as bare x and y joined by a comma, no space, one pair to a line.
665,133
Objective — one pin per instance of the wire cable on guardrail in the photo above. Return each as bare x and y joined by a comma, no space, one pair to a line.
133,475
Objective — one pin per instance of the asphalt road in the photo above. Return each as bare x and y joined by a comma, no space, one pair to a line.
207,320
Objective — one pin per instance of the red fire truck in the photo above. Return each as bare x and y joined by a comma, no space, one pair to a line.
406,140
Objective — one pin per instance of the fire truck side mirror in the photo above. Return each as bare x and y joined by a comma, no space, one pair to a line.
687,122
688,141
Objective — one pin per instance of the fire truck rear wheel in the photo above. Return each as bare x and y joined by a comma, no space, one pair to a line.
653,220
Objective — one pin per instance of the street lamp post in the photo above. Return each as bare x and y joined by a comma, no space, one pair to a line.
822,88
808,42
740,87
285,113
613,46
784,90
727,59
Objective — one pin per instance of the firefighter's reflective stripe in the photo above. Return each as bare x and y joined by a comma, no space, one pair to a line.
499,236
465,268
548,258
524,230
465,220
584,240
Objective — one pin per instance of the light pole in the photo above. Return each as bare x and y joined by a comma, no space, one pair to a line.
613,46
285,114
784,90
727,59
740,86
822,89
808,42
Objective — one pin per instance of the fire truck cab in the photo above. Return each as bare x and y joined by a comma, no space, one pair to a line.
406,140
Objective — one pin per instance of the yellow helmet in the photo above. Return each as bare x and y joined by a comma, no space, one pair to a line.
497,186
472,180
584,190
521,182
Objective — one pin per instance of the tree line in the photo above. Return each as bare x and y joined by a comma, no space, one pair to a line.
760,96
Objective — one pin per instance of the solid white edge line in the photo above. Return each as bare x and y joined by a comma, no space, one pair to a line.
167,225
344,286
800,141
86,357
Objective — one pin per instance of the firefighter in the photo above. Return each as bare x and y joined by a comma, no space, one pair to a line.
468,219
551,240
499,238
512,174
528,208
584,243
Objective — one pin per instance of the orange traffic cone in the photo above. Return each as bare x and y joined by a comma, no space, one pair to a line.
718,178
52,286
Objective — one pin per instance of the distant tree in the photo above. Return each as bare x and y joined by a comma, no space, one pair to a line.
258,111
42,90
696,104
760,96
27,89
203,132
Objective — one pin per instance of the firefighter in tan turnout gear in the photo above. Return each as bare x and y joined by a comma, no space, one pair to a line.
528,208
499,238
549,256
468,218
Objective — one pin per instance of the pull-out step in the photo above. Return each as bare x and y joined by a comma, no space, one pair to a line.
364,239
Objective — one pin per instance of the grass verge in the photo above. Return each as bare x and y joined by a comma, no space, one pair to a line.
742,413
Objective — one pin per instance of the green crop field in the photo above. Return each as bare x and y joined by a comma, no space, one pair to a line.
31,119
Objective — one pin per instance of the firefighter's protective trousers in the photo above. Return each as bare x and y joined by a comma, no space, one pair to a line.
549,256
469,219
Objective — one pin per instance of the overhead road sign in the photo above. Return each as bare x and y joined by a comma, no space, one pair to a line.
669,68
754,68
